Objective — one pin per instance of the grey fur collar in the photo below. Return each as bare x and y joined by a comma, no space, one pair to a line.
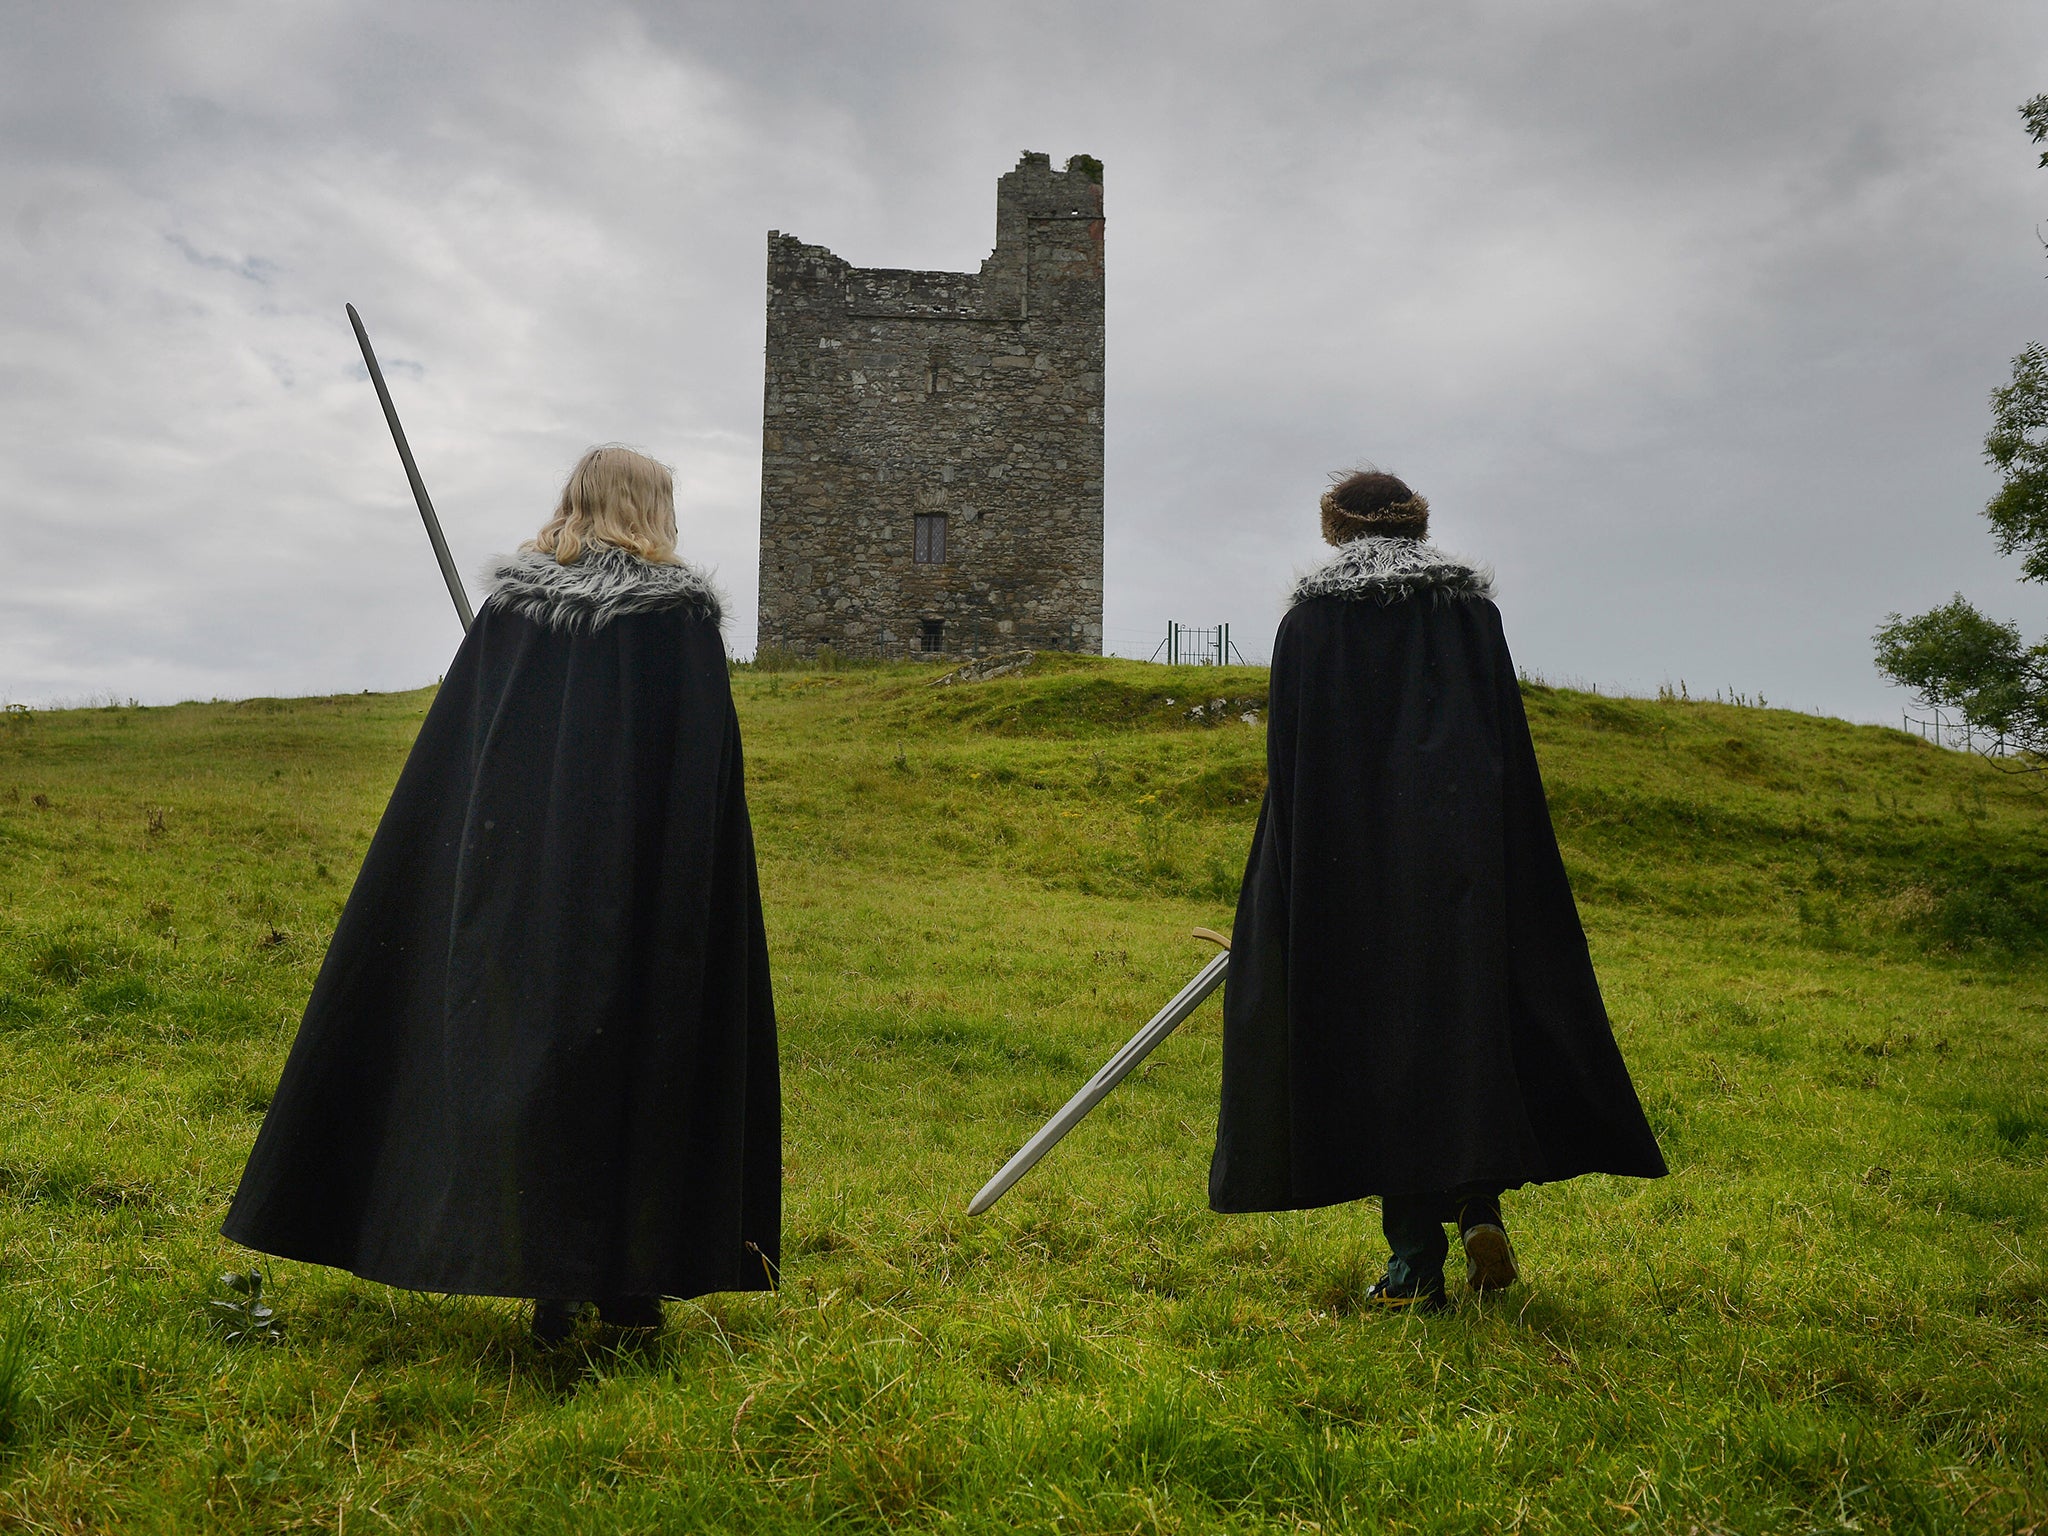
604,583
1382,570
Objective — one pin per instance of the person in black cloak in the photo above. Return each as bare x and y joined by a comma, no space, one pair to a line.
539,1059
1411,1010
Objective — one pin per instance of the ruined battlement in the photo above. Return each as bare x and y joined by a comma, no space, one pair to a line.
931,465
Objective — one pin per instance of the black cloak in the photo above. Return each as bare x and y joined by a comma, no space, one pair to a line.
540,1058
1410,1007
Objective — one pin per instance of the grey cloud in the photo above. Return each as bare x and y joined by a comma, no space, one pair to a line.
1684,317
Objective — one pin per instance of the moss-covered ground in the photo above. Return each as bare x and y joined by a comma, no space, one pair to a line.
1822,946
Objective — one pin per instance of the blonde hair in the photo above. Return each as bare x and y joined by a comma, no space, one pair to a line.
614,496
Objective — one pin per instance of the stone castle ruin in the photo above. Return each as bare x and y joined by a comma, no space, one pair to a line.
931,446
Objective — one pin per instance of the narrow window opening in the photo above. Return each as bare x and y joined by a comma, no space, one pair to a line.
931,635
930,548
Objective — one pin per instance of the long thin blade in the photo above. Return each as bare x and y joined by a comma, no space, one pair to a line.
412,473
1097,1088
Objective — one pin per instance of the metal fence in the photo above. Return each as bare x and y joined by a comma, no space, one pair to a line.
1186,646
1957,735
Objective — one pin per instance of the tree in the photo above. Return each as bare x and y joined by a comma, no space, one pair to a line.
1958,659
1954,657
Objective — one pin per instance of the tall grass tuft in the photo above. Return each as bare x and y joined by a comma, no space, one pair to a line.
15,1398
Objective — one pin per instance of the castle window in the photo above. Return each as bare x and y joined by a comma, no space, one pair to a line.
931,635
931,538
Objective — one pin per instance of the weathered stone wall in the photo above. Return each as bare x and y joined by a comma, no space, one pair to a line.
975,395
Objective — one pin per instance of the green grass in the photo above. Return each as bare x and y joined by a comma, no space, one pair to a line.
1822,946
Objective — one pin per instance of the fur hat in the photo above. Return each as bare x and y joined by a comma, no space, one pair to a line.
1372,502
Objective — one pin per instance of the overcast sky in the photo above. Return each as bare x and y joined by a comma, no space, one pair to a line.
1682,316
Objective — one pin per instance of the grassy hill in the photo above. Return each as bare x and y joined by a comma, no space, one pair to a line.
1822,946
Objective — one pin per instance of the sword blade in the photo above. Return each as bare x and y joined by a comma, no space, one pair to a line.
1096,1089
412,474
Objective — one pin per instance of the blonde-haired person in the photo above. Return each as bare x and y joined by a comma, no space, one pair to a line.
617,499
539,1059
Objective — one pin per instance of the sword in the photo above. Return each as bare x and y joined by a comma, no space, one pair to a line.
412,473
1114,1071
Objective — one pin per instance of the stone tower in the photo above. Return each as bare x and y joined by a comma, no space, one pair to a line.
931,445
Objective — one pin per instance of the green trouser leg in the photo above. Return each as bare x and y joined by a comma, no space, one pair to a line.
1414,1225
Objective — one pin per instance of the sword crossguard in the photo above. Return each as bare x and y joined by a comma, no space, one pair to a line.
1212,936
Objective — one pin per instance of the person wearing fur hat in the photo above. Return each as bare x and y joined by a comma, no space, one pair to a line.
539,1059
1411,1011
